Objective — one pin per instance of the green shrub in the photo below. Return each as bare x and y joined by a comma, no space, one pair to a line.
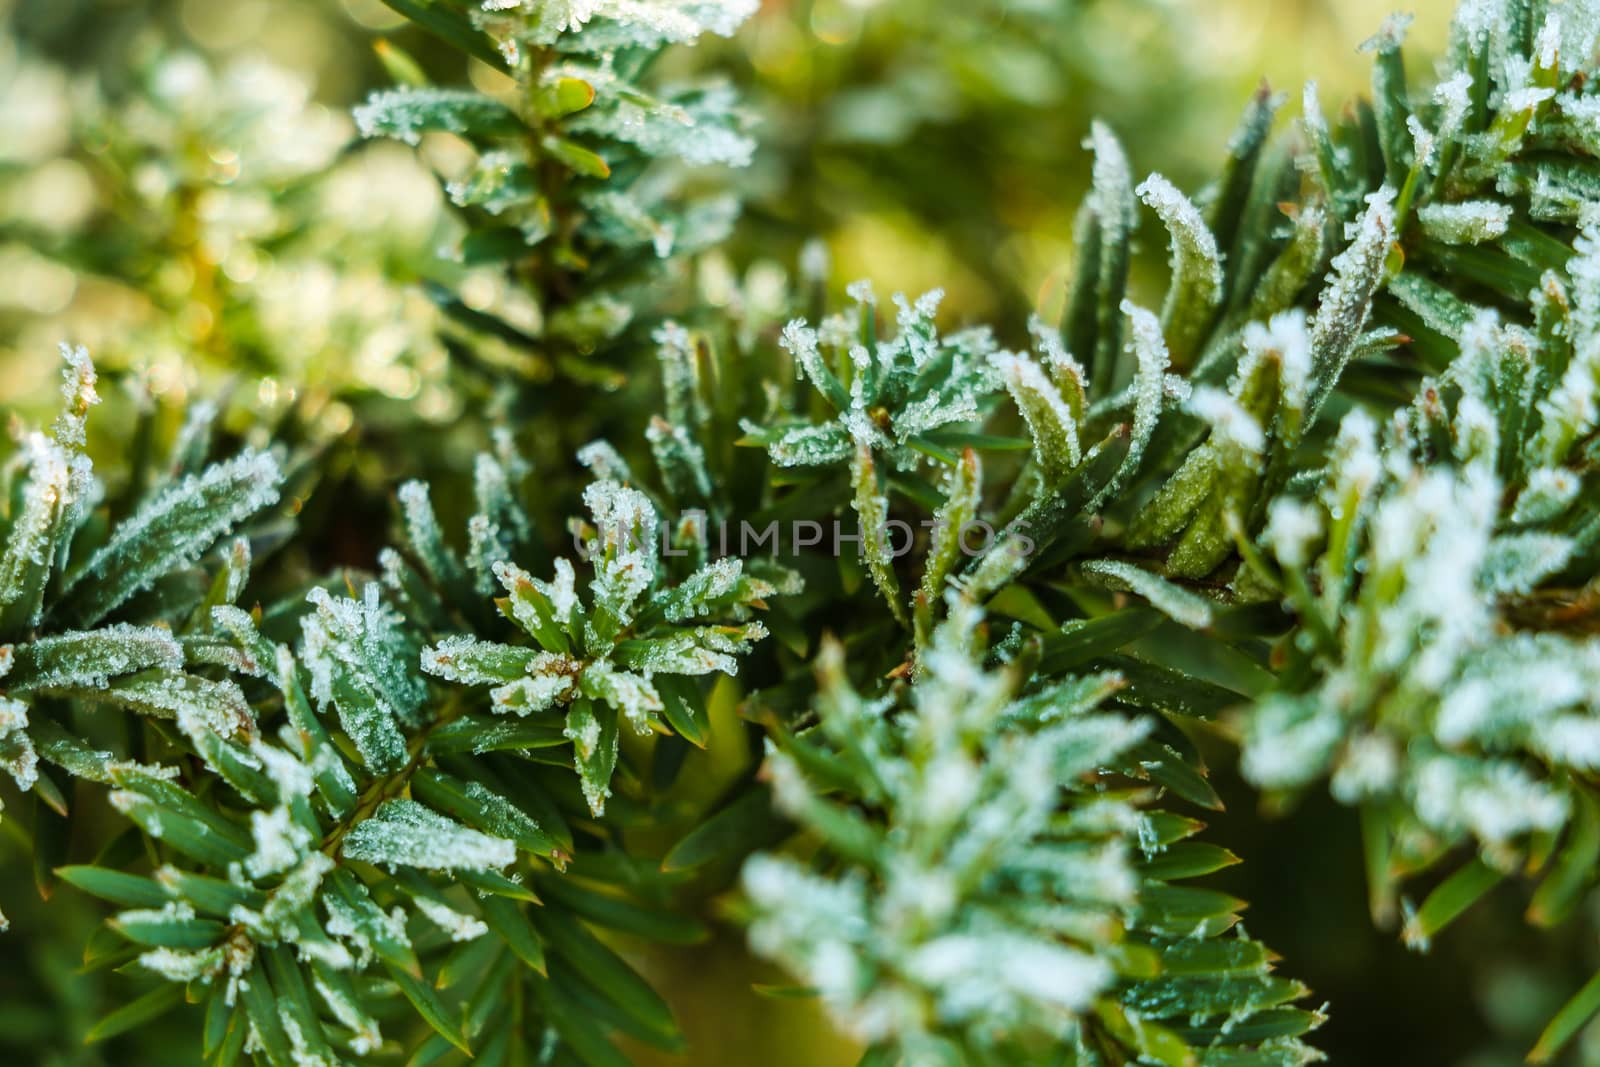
893,645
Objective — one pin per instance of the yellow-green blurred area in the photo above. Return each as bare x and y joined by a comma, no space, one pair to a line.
176,191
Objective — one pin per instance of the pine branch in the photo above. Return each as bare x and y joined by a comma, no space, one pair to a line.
577,189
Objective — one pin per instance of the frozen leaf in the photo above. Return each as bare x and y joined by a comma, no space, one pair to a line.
1346,300
89,659
1173,601
406,114
171,530
1470,222
593,732
1196,286
1150,352
403,833
78,394
1052,424
872,517
361,664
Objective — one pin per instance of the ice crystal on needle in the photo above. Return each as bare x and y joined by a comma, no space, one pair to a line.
609,647
407,834
913,948
892,393
915,939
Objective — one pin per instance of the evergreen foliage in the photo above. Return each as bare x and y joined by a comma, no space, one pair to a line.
892,644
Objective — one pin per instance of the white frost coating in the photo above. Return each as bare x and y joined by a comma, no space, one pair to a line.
1196,264
365,925
675,351
701,132
1346,299
1293,526
1573,408
46,498
78,393
360,664
177,965
1496,800
629,693
280,842
1476,431
700,650
815,260
1175,602
1289,742
1185,222
1454,97
551,682
405,114
1526,99
1469,222
465,659
562,592
1423,141
292,777
1570,740
1149,389
695,595
603,458
1110,179
645,22
1311,116
906,943
1547,495
300,1051
17,755
1368,767
1051,422
89,659
367,1037
1285,338
1475,20
460,927
861,292
1052,352
422,528
888,402
1356,464
1390,35
406,834
173,528
915,323
801,342
1516,563
1231,425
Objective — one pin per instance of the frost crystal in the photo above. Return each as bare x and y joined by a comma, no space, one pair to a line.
78,392
1347,297
403,833
361,665
1231,425
172,529
888,403
600,662
1470,222
1174,601
909,944
460,927
1196,286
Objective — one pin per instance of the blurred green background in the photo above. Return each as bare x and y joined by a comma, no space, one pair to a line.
178,192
